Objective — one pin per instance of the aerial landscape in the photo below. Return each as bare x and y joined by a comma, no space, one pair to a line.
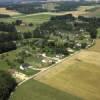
49,49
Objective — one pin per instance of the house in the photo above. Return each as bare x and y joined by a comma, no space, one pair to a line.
24,66
44,55
44,61
70,50
78,45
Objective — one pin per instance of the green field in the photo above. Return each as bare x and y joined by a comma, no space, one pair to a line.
35,19
34,90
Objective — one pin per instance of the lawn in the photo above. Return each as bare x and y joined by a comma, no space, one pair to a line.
34,90
29,72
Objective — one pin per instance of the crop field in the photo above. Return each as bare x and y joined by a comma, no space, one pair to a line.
36,90
85,8
78,75
9,12
94,13
39,18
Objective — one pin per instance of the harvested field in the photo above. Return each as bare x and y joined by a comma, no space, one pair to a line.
84,8
95,13
9,12
78,75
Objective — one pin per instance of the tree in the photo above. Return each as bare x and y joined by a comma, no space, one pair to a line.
18,22
7,85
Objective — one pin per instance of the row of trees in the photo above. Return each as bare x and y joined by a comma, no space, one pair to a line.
8,35
7,46
4,16
7,27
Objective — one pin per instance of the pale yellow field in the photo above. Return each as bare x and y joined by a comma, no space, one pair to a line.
96,47
84,8
79,75
9,12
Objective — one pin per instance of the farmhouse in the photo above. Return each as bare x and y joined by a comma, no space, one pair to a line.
70,50
24,66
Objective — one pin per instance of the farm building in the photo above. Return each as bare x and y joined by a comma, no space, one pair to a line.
24,66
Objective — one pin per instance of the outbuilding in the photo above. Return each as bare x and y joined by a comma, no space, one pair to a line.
24,66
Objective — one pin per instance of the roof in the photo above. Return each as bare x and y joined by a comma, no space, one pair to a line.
25,65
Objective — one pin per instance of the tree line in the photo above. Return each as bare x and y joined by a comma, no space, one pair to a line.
4,16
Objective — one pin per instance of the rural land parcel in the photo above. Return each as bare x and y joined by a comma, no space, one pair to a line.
77,76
